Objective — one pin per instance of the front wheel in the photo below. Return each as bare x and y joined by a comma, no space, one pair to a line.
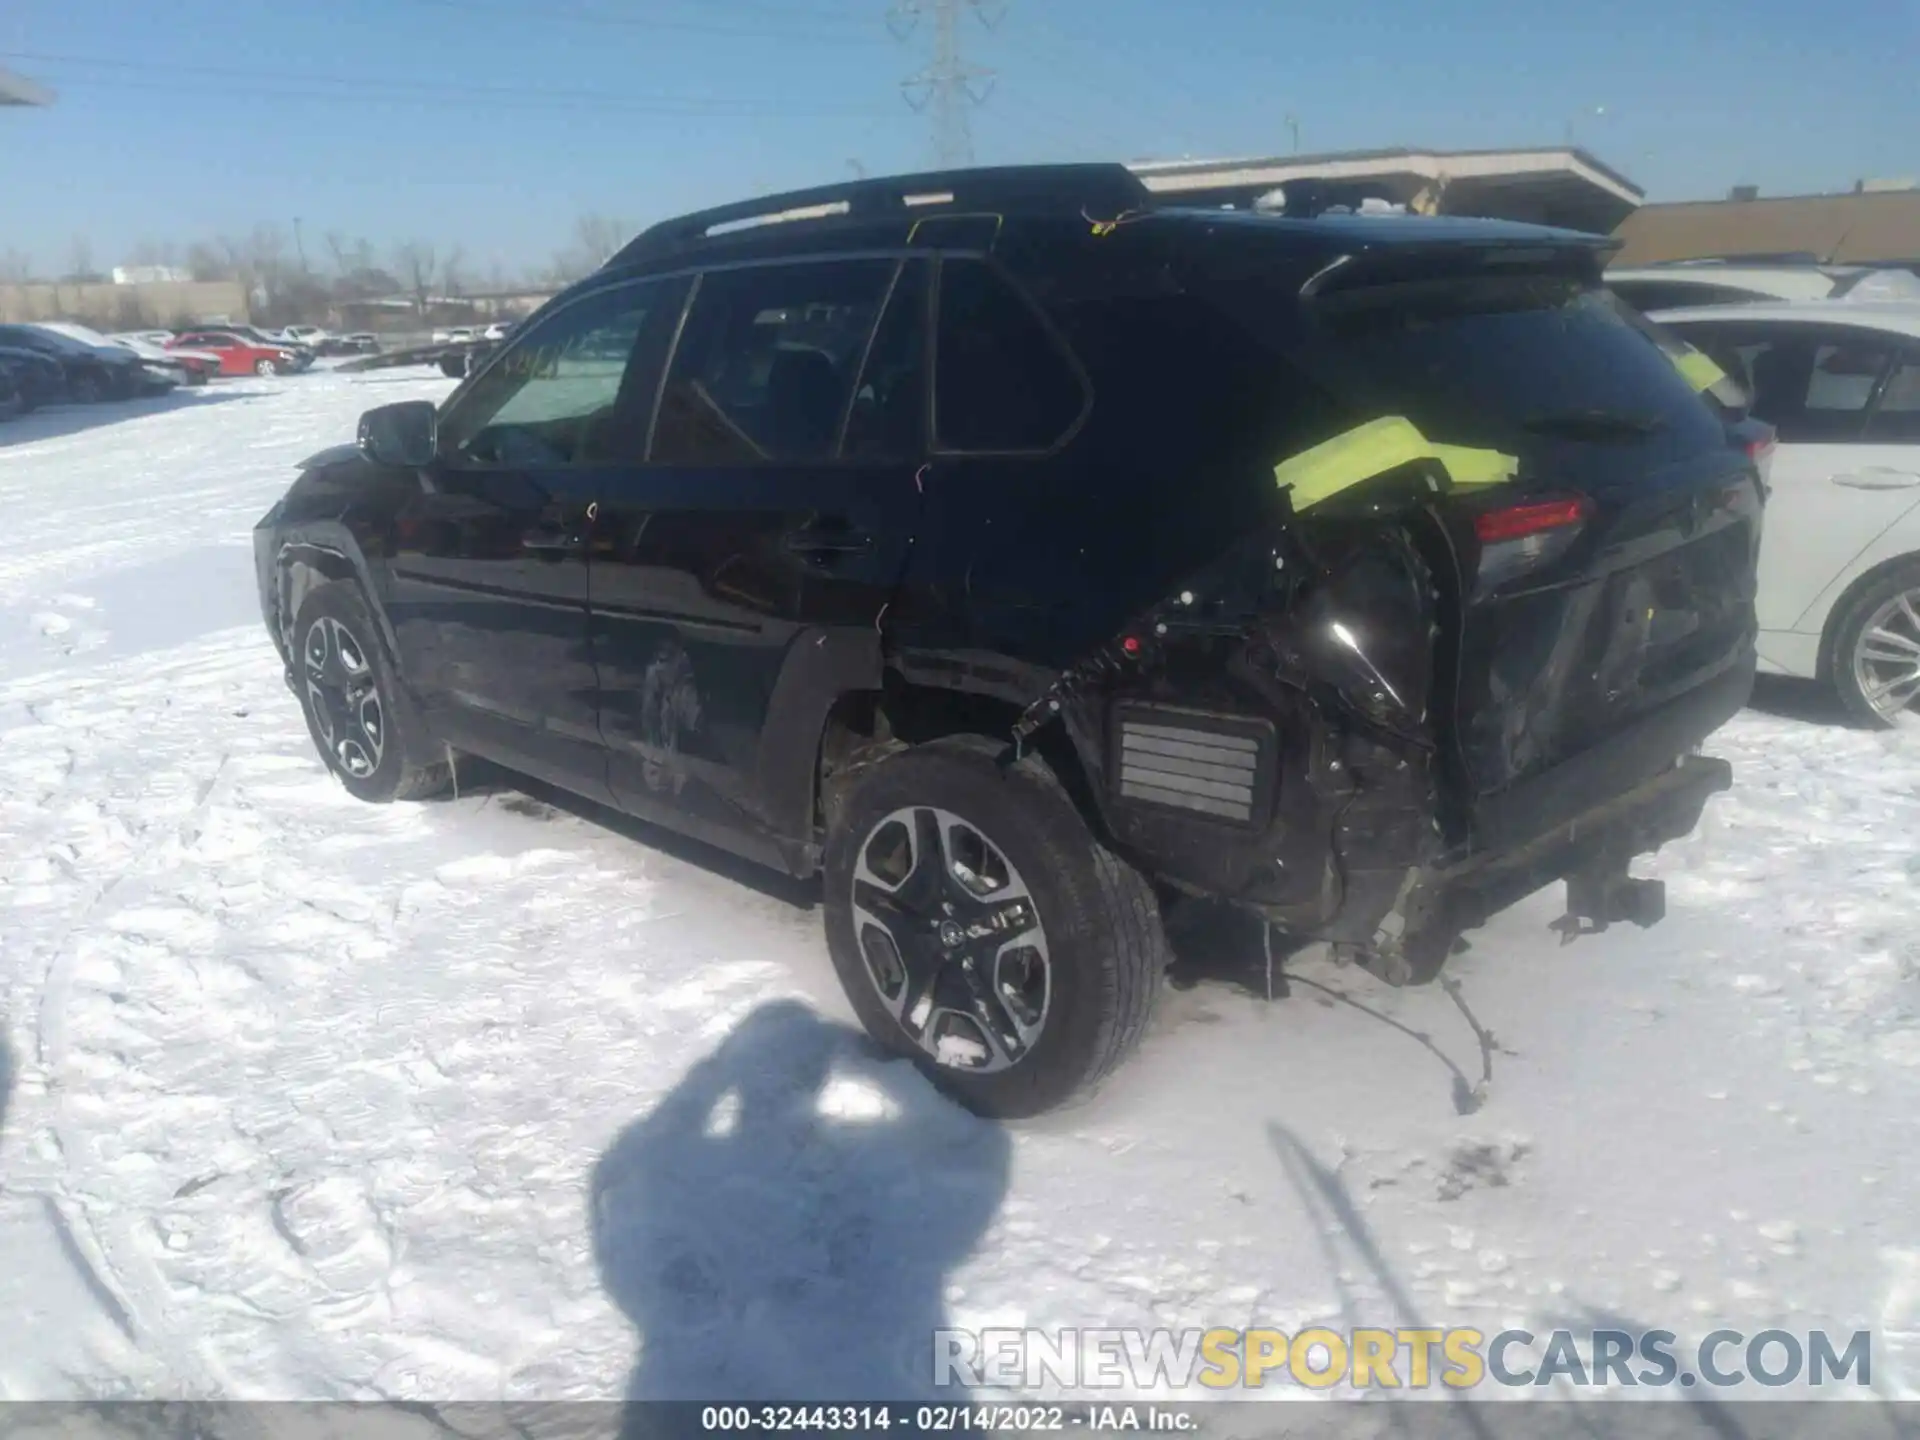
1876,650
360,717
266,367
980,928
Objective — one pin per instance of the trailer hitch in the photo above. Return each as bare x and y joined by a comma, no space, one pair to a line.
1601,894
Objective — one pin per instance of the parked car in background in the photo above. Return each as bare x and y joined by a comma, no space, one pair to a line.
309,335
1729,282
241,354
90,372
163,371
458,335
498,330
304,355
1022,578
1839,380
363,342
39,378
196,366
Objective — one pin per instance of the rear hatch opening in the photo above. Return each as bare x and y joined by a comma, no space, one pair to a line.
1597,610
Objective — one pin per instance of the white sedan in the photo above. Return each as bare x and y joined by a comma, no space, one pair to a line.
1840,562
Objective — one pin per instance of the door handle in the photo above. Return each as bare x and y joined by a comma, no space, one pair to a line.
826,542
1878,477
553,542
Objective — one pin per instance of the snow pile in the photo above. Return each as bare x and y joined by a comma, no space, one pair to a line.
501,1098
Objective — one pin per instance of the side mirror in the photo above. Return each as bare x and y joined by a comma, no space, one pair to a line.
405,435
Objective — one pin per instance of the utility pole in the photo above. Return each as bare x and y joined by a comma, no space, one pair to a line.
949,87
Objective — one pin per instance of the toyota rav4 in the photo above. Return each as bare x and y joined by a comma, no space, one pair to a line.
1017,555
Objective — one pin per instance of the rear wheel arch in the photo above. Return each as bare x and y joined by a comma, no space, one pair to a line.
1844,602
865,726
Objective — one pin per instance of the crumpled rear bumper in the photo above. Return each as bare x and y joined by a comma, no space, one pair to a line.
1590,851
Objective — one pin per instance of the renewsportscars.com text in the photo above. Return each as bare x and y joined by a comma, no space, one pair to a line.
1380,1359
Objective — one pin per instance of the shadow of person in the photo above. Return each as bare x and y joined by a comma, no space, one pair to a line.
780,1226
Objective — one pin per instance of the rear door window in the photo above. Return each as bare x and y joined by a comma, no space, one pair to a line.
1002,381
1896,420
765,366
1814,386
889,406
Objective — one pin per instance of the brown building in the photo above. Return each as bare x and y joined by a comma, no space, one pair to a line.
1867,226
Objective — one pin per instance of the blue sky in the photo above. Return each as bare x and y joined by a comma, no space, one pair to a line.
495,123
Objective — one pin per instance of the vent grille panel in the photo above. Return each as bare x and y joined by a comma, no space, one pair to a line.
1206,771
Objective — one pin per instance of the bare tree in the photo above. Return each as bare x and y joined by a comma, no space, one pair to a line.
205,261
16,267
596,239
80,264
416,263
154,252
453,272
599,238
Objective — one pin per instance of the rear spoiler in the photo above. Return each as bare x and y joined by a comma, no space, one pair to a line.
1466,257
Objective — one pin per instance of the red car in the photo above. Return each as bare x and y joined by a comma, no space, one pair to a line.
238,354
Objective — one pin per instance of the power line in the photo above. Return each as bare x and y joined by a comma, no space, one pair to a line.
648,22
373,90
949,87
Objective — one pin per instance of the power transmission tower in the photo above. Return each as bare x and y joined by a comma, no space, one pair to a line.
949,87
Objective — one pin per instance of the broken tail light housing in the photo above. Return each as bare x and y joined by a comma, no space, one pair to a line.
1518,539
1760,448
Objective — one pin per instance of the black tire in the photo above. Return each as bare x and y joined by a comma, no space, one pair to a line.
266,367
1850,625
1107,949
85,389
402,761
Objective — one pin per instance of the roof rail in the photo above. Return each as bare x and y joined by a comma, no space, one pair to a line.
1103,190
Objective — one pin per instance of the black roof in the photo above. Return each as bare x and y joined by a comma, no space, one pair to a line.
883,212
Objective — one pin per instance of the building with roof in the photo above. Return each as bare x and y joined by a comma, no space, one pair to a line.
1548,186
1877,223
18,90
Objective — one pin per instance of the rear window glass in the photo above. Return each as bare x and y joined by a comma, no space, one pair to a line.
1503,362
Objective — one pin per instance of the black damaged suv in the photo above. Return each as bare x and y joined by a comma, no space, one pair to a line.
1019,554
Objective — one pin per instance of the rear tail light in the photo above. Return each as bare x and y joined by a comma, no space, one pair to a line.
1517,522
1518,539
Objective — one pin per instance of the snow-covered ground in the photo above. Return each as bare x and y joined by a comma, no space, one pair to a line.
315,1099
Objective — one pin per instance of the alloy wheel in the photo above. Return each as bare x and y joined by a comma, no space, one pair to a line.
1886,661
344,698
952,939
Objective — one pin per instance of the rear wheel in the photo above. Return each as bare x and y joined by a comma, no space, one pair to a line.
980,928
360,717
1876,650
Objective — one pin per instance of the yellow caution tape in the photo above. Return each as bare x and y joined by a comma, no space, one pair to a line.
1377,447
1696,369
